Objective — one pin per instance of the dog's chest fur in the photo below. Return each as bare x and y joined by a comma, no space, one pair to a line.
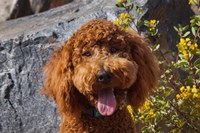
119,122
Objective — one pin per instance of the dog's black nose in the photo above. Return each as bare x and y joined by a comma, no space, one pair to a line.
104,77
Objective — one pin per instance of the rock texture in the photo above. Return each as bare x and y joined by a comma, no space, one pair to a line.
27,43
6,9
12,9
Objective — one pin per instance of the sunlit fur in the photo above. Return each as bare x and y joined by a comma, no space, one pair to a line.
70,76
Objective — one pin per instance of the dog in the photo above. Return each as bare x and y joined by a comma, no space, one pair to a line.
95,74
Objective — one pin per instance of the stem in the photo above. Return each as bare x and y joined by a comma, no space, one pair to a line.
192,70
187,120
168,118
171,82
197,34
190,61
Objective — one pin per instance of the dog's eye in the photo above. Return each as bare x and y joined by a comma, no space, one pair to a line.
113,50
87,53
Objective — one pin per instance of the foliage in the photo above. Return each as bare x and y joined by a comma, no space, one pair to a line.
175,104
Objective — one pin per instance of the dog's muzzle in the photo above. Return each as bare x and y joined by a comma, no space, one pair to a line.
104,77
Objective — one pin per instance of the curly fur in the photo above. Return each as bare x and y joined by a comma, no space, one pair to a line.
71,76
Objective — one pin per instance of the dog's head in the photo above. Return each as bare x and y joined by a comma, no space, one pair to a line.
101,65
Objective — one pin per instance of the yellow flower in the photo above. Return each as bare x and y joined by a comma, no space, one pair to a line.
147,103
139,9
178,96
194,90
196,45
116,22
120,1
152,22
154,115
188,88
194,86
195,95
185,53
146,106
142,117
119,22
187,39
126,29
126,15
192,2
151,112
130,110
151,29
185,95
192,47
122,15
182,88
182,42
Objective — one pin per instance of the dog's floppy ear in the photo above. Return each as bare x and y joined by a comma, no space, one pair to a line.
147,74
58,80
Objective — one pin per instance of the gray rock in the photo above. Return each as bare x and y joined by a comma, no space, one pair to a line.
25,46
39,5
27,43
12,9
6,9
22,8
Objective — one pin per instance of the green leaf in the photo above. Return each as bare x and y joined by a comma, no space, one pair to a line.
198,24
193,112
175,131
185,28
119,5
186,34
169,92
181,123
197,62
156,47
197,72
156,32
157,22
198,51
130,7
180,102
176,29
189,80
182,63
146,23
193,31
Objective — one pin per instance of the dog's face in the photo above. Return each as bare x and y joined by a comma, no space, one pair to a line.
103,69
101,62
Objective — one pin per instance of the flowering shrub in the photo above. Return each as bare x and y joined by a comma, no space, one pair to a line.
175,104
123,20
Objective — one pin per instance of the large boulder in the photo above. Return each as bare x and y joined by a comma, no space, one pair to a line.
6,9
27,43
12,9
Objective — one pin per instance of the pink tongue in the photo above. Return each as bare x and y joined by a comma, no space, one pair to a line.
106,102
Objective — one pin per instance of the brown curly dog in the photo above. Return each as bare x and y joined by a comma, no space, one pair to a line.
95,74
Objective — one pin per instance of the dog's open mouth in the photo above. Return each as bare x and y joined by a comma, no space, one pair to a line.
106,102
